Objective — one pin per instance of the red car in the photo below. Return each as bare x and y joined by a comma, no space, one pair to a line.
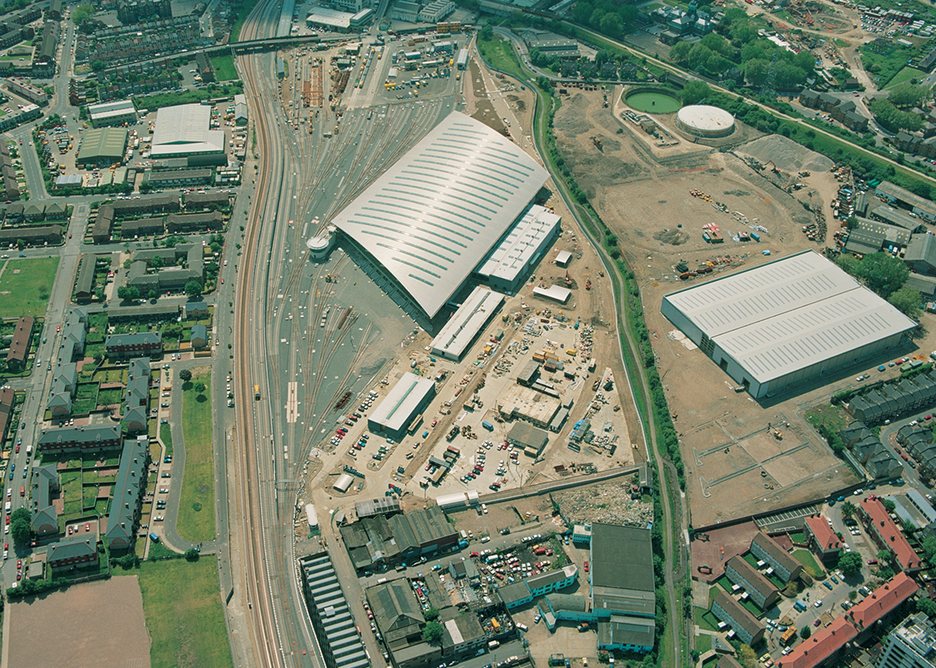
58,328
586,566
871,562
816,623
17,448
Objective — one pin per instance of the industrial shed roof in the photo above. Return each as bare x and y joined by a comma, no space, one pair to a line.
185,129
788,314
396,410
103,143
461,329
438,210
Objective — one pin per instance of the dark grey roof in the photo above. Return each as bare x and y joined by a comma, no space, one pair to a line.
622,557
139,338
413,530
81,435
738,613
121,523
922,248
71,547
394,605
752,577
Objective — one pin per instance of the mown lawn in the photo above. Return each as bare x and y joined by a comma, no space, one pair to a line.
196,508
183,613
25,287
809,562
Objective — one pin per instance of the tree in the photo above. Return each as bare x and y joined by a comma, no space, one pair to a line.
82,13
850,564
884,555
432,614
19,526
152,294
907,95
907,301
157,262
432,632
192,554
185,375
883,273
849,509
695,92
928,547
487,33
805,632
927,606
199,387
98,65
889,505
747,657
193,288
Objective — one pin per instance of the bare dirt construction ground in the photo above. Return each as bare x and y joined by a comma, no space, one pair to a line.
81,638
646,202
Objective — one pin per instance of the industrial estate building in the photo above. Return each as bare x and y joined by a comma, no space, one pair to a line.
102,146
403,404
776,326
509,263
378,541
428,220
184,131
332,619
112,113
462,328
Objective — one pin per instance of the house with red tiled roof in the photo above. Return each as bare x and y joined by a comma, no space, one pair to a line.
822,539
884,602
822,648
887,535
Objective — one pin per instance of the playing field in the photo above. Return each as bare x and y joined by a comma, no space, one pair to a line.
25,286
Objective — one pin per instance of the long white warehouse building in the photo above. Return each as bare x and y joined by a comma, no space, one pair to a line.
774,327
471,317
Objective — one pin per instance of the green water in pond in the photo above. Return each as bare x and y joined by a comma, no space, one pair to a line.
653,103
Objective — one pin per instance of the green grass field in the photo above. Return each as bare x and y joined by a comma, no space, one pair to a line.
810,565
904,75
183,614
196,508
25,286
224,68
498,53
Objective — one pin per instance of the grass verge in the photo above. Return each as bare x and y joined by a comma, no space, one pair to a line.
245,9
165,434
196,508
25,287
183,613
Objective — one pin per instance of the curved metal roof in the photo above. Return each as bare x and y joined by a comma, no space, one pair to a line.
436,212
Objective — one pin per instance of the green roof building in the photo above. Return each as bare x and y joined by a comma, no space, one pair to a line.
102,146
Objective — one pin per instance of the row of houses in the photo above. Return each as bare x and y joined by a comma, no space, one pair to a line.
140,344
918,442
885,604
80,551
845,111
37,235
10,184
34,212
894,398
165,36
866,448
887,535
146,274
18,352
65,375
184,223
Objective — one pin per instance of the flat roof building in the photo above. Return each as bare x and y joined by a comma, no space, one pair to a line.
407,399
775,326
453,341
912,644
184,131
924,208
526,436
338,21
555,293
446,203
112,113
509,263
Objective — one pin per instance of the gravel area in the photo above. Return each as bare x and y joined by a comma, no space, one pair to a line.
786,154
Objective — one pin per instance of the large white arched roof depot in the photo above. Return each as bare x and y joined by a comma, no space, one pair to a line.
437,211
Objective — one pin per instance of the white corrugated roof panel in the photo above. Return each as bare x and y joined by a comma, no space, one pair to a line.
789,314
395,411
525,239
440,208
185,128
468,320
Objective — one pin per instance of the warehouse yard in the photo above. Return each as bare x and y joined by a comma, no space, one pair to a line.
657,206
